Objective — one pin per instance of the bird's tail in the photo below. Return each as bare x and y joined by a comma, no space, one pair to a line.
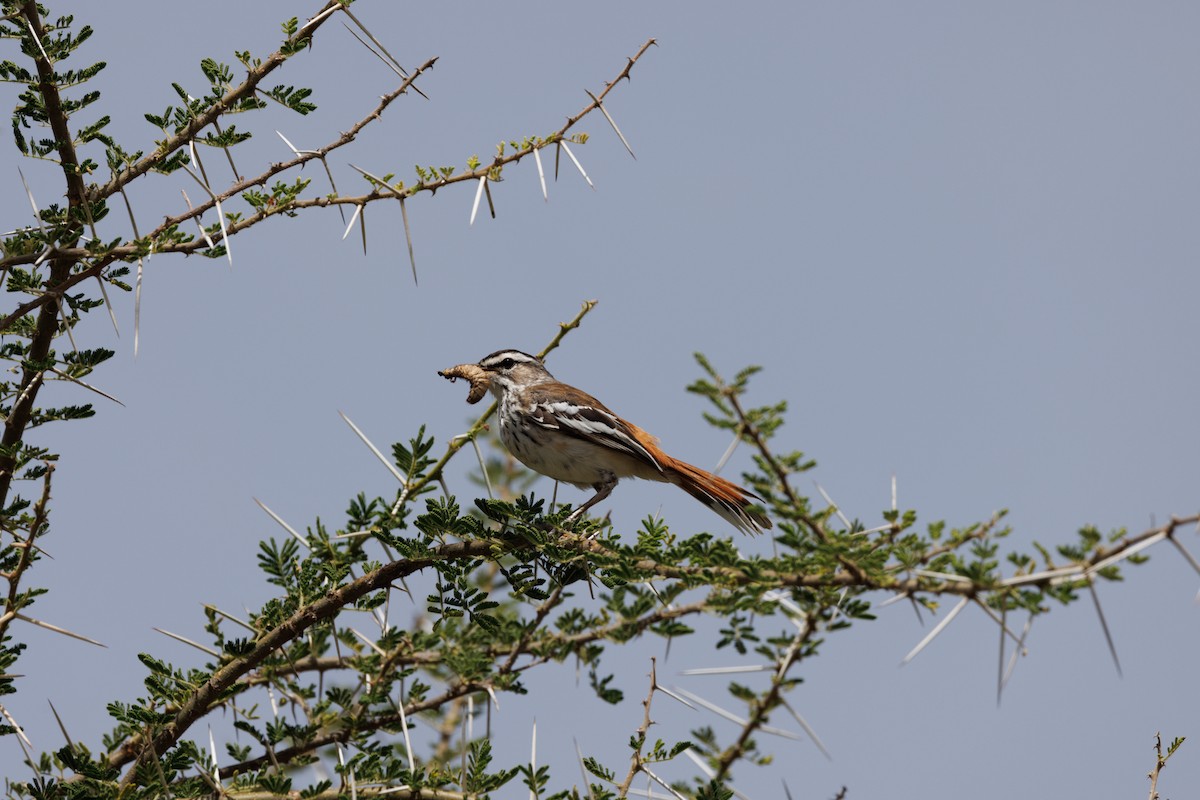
724,497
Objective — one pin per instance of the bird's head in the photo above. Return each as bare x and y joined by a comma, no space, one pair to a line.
511,369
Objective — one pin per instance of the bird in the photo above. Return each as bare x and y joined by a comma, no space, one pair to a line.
566,434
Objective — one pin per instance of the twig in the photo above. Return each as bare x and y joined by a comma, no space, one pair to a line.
235,95
121,252
636,762
1160,761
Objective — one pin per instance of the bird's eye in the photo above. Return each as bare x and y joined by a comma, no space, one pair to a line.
507,363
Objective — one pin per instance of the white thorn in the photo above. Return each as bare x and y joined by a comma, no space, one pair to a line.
57,629
577,164
282,524
291,146
353,218
936,630
478,197
188,641
374,449
537,157
613,123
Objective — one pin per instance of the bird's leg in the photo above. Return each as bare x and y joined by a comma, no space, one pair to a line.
603,489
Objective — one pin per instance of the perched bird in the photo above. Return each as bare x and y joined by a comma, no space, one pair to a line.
568,435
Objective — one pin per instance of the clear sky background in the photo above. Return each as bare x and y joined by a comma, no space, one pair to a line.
960,238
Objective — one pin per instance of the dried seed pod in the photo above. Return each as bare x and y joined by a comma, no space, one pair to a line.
472,372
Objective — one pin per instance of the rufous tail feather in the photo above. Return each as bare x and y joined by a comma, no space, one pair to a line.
724,497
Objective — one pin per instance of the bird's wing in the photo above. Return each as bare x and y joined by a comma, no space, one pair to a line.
569,410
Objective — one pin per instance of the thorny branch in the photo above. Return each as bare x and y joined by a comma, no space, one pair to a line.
26,547
212,692
766,703
780,474
1160,761
636,761
130,250
211,115
32,373
287,755
76,193
327,607
63,257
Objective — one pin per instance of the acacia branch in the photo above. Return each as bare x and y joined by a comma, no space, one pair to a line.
130,251
529,644
380,192
357,726
224,679
362,722
13,602
273,170
545,642
636,761
210,115
762,708
388,792
55,114
888,579
215,690
32,373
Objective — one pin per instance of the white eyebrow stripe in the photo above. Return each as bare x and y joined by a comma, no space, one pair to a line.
495,359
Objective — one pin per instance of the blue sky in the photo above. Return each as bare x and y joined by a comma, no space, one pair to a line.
959,238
